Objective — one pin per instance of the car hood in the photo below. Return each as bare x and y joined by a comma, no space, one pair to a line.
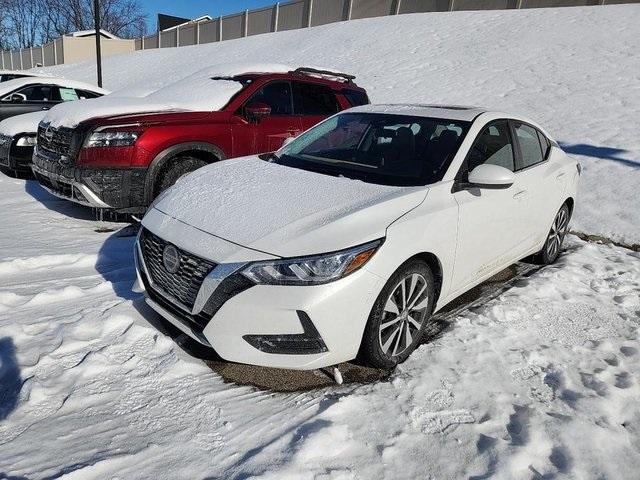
70,114
285,211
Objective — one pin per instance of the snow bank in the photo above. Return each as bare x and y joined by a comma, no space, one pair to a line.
27,123
206,90
574,70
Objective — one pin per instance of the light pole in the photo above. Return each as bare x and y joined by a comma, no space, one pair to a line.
96,22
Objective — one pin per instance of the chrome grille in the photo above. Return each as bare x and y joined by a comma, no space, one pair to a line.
55,140
182,285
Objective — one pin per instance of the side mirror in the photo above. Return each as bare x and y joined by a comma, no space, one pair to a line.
257,110
18,98
491,176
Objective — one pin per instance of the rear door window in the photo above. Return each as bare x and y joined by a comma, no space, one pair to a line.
530,148
314,99
545,144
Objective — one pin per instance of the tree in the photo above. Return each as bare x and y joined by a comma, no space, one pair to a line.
25,23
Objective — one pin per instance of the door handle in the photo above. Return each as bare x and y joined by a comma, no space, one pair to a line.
45,108
521,195
559,176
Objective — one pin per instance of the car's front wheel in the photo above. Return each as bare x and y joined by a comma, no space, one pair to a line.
399,316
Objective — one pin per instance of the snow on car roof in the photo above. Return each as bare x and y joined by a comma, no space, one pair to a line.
11,85
26,123
19,72
196,92
450,112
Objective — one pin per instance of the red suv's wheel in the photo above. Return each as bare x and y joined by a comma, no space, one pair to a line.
178,167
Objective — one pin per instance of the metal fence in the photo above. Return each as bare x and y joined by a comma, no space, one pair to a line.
286,16
310,13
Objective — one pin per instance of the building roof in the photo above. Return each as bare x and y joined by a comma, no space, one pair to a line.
89,33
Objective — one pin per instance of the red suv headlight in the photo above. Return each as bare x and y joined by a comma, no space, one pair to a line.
99,139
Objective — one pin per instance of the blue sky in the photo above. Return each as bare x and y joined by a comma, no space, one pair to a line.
196,8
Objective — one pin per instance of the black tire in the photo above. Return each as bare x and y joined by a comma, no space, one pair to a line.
553,244
376,335
177,168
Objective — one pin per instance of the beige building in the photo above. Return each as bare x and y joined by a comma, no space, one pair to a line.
72,48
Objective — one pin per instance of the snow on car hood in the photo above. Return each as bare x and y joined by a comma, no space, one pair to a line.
26,123
285,211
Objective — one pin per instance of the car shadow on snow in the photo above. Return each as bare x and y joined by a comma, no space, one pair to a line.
605,153
10,378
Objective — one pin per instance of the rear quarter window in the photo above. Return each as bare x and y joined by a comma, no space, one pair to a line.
313,99
356,97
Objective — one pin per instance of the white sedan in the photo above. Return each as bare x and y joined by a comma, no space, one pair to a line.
344,242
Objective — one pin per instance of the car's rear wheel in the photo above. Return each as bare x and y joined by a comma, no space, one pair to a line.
553,244
178,168
399,316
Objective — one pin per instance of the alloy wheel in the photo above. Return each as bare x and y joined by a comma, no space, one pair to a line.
557,233
404,312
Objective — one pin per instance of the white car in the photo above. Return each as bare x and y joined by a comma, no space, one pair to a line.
37,93
344,242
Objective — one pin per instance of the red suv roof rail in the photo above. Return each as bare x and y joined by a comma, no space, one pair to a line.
325,73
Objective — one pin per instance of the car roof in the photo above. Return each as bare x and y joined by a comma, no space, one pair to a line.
449,112
11,85
19,72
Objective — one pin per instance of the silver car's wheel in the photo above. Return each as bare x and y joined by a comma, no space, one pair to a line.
403,315
399,316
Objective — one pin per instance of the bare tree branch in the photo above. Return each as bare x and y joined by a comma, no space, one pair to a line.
25,23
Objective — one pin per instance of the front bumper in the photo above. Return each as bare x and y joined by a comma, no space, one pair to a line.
17,159
117,189
295,327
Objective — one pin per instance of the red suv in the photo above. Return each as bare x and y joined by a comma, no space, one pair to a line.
123,162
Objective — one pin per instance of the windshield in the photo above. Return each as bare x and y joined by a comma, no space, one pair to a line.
377,148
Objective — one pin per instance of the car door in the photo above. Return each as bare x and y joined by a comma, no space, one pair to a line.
267,133
313,102
28,99
490,221
540,179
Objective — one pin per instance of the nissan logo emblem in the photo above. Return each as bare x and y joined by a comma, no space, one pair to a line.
171,259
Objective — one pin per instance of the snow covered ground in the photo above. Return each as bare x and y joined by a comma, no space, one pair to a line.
542,381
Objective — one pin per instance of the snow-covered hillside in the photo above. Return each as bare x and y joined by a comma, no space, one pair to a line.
539,381
575,70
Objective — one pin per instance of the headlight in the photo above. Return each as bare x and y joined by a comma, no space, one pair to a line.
111,139
312,270
26,141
